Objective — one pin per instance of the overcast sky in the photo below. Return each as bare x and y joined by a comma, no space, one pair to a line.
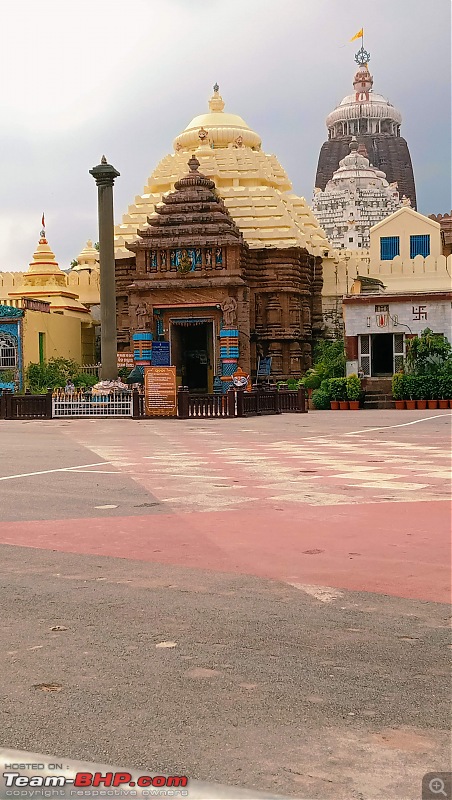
124,77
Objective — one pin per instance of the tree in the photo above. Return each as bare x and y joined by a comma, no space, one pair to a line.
428,353
329,358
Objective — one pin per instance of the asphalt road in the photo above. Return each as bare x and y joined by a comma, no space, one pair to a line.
255,684
192,661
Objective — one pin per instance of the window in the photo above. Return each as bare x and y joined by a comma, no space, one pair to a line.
389,247
420,246
364,354
7,353
382,309
350,238
42,347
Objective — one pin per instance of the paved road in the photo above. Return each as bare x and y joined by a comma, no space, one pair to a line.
260,602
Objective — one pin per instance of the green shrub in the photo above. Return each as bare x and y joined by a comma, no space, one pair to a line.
338,388
417,387
85,379
445,387
353,387
311,380
7,375
325,387
329,358
294,383
55,373
433,387
321,400
400,386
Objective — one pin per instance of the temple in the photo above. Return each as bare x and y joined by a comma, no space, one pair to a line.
227,261
376,123
357,197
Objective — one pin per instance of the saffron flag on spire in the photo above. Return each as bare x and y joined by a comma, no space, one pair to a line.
43,222
358,35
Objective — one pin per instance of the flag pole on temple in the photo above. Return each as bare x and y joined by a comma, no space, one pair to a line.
43,227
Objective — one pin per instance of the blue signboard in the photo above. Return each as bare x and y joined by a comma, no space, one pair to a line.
161,356
264,367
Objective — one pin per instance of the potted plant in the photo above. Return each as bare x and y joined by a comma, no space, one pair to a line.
353,391
421,391
334,394
311,381
433,392
410,400
338,390
399,389
443,391
448,388
320,399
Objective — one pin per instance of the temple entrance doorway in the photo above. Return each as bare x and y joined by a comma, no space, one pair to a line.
192,353
382,354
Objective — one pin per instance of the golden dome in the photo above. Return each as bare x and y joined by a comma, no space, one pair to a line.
217,129
88,258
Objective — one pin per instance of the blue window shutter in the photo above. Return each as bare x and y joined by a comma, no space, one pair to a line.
389,247
420,246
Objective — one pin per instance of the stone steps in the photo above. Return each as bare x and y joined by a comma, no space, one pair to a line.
375,399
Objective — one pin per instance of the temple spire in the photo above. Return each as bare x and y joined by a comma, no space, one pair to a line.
216,102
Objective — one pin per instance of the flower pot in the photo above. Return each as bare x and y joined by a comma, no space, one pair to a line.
334,404
432,404
421,405
400,404
354,405
343,405
443,403
410,404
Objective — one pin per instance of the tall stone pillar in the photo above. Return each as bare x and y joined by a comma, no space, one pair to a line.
104,175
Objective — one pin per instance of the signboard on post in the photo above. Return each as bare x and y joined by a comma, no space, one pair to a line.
264,367
125,359
161,355
160,394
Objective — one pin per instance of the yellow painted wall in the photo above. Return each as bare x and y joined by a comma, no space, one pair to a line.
64,336
405,223
87,286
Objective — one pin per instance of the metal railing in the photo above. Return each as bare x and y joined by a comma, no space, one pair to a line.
91,369
81,403
26,406
87,404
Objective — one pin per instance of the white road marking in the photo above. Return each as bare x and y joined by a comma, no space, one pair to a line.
323,593
401,425
106,506
48,471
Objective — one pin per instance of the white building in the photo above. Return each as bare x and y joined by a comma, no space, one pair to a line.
357,197
377,326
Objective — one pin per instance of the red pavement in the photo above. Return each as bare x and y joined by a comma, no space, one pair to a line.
399,549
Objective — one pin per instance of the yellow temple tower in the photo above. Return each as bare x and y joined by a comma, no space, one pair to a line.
46,281
63,326
253,184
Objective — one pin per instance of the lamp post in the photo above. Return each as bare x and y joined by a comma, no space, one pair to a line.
104,175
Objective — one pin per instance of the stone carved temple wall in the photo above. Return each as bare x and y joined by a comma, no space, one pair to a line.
192,266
